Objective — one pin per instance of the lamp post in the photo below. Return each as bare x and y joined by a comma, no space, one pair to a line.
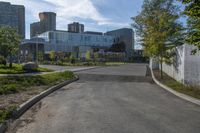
36,50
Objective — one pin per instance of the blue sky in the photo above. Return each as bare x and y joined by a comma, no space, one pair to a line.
97,15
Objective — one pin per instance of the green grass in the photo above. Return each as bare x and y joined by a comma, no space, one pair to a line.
18,69
14,85
9,85
193,91
90,63
6,113
115,63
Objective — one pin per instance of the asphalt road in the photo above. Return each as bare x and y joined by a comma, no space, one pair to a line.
111,100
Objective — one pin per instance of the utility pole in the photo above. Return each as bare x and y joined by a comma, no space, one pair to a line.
36,50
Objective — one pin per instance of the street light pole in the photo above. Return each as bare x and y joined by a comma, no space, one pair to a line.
36,50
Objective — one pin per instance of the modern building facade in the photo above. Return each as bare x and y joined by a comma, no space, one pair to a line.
64,41
47,23
93,32
125,35
13,16
76,27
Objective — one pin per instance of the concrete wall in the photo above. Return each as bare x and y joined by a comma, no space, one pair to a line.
192,66
185,67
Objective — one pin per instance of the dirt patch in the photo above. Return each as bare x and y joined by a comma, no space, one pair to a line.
27,118
18,98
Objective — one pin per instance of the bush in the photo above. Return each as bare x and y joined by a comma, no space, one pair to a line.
73,60
6,113
3,60
8,89
60,62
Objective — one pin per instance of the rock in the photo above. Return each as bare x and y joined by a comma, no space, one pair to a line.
30,66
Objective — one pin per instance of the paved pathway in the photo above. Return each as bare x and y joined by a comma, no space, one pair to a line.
111,100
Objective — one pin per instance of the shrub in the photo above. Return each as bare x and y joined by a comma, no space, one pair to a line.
3,60
7,89
6,113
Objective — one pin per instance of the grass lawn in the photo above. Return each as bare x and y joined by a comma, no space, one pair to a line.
193,91
91,63
114,63
17,69
16,90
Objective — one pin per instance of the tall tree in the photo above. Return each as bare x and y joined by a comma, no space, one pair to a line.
192,10
9,42
159,29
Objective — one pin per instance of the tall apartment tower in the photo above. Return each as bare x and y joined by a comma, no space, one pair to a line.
13,16
47,23
76,27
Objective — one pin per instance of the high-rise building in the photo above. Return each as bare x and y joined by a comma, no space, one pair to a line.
13,16
47,23
76,27
34,29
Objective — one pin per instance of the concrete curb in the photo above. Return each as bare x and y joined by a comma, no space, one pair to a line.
28,104
178,94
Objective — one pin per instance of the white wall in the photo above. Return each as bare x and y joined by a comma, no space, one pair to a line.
192,66
185,67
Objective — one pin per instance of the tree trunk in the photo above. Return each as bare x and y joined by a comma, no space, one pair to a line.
161,64
161,67
10,62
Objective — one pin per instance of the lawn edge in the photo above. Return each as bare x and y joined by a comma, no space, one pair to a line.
28,104
176,93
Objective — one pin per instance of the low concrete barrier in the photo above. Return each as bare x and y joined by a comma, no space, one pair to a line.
25,106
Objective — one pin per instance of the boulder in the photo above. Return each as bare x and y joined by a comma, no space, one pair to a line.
30,66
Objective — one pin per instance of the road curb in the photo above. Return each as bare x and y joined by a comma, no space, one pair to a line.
178,94
28,104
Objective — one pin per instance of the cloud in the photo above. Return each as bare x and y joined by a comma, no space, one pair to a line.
72,10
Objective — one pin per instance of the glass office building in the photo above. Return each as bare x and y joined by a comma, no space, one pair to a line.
63,41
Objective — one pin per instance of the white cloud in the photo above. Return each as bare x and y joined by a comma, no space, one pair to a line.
67,11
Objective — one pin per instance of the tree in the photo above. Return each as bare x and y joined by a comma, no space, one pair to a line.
40,56
52,55
96,56
9,43
88,56
72,58
192,10
159,29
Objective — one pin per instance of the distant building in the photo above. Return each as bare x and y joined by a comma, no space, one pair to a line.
47,23
14,16
125,35
93,32
67,42
76,27
34,29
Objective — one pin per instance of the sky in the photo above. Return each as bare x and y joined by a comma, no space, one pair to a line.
96,15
